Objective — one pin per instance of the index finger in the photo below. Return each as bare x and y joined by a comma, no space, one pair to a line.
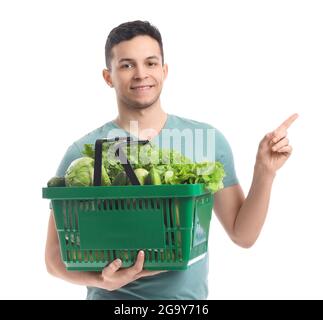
287,123
112,268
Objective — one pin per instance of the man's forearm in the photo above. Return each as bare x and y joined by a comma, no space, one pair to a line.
252,213
56,268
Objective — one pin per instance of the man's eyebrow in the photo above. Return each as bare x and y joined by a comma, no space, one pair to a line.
129,59
125,59
152,57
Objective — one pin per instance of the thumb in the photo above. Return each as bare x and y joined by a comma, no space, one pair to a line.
269,136
267,139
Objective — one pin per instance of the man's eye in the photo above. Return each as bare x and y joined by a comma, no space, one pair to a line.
152,64
127,66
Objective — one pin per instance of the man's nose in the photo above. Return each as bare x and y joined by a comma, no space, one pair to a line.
140,73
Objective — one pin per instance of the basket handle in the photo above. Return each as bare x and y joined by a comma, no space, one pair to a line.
97,181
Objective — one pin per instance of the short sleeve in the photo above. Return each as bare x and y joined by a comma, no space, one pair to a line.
225,156
73,152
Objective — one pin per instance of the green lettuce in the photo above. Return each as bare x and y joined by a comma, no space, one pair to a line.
170,166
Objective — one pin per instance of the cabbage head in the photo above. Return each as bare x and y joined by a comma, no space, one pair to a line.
80,173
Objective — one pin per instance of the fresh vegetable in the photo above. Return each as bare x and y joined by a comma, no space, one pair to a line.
80,173
121,179
161,166
141,175
169,177
153,177
56,182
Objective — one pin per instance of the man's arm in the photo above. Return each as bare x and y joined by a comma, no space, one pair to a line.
243,218
56,267
111,278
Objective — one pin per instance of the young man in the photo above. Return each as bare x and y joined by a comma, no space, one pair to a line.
136,70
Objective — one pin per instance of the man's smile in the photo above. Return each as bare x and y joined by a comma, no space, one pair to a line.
142,87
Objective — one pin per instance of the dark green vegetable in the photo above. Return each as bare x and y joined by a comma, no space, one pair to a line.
121,179
56,182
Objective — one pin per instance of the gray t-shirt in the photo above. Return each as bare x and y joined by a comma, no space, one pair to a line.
202,142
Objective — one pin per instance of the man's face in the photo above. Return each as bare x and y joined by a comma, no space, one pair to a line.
136,72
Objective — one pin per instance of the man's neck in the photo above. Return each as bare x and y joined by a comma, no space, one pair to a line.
148,122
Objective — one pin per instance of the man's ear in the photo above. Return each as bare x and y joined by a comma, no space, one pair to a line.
107,77
165,70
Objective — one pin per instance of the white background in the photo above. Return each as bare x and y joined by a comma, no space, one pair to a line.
242,66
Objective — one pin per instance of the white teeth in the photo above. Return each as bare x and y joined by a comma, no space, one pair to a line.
143,88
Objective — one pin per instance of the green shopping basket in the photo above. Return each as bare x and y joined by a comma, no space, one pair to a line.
99,224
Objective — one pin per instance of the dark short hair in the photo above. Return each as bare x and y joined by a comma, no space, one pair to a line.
127,31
